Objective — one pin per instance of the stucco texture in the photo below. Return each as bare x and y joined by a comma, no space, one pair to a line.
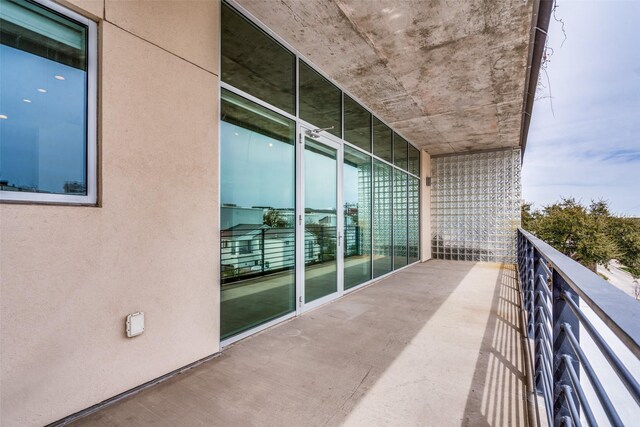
71,274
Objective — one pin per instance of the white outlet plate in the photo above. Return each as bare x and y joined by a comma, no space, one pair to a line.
135,324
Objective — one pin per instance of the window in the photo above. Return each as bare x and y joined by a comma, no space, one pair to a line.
382,137
414,160
357,124
255,63
257,193
320,101
48,104
356,185
400,151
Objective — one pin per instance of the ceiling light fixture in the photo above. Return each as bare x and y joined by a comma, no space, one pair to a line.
58,77
28,101
2,116
42,90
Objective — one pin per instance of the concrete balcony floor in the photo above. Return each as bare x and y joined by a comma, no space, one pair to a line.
436,344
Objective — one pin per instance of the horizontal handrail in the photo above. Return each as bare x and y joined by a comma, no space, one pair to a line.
551,286
615,308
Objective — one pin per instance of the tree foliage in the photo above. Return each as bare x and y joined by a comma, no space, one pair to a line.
274,219
589,234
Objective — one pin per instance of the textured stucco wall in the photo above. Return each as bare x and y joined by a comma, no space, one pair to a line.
70,274
425,207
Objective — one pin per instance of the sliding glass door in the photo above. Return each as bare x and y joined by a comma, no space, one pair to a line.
322,228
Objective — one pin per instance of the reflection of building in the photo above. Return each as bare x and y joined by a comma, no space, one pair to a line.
74,187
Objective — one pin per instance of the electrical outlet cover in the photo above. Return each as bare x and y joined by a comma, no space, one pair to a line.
135,324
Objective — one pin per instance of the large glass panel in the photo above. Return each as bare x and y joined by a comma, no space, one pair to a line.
320,101
320,226
357,217
400,151
399,219
255,63
257,192
43,102
382,137
382,218
414,160
357,124
414,219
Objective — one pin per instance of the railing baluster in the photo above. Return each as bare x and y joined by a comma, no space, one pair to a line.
562,315
572,340
622,372
575,382
568,397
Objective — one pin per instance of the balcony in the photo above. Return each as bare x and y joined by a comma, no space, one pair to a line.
437,343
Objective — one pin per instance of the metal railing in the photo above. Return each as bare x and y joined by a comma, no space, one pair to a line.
553,289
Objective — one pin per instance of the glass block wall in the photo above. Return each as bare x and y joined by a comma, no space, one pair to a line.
475,206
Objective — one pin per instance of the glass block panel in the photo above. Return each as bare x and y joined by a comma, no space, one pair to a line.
475,202
399,219
382,218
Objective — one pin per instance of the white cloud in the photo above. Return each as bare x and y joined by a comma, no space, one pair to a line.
590,148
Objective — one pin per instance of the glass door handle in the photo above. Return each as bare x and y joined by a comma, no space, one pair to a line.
339,238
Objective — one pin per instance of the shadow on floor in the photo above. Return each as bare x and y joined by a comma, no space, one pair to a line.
317,369
498,394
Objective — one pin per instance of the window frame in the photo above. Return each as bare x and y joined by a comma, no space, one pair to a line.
91,198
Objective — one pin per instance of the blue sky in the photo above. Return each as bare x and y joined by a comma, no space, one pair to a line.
588,145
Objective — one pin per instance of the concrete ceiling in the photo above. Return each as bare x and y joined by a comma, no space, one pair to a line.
448,75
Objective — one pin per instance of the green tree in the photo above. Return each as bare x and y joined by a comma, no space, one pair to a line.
626,234
577,231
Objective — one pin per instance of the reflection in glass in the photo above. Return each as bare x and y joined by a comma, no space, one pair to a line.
320,101
399,219
414,219
400,151
382,139
320,226
382,218
414,161
357,217
255,63
357,124
43,122
257,253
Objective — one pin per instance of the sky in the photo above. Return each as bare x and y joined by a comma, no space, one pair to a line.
584,141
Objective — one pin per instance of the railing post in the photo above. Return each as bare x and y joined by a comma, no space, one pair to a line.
262,233
563,317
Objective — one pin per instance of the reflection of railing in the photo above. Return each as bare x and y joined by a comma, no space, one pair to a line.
553,289
260,251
